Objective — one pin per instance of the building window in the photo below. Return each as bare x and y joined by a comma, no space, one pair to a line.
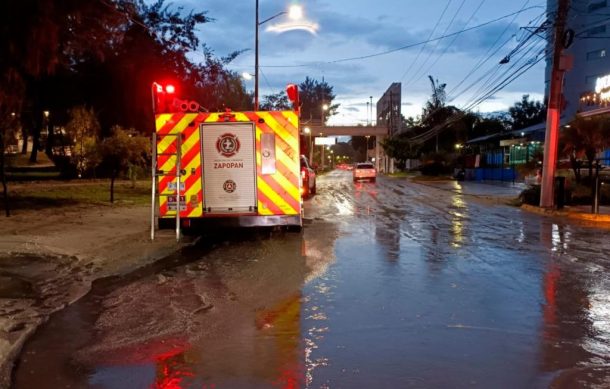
596,30
597,54
591,80
597,5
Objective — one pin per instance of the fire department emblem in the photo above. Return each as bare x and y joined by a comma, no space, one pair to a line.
227,145
229,186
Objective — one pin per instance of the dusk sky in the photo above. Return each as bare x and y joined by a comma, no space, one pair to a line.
348,29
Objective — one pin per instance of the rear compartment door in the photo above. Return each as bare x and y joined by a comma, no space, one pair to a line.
229,167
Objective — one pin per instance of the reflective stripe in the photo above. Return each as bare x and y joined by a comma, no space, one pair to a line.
278,193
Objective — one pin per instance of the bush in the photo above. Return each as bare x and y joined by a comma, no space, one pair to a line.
530,195
434,169
582,194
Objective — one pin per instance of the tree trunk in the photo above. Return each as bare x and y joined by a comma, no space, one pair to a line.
24,135
112,177
575,168
3,177
35,142
50,140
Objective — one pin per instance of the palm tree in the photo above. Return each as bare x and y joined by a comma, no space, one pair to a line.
585,137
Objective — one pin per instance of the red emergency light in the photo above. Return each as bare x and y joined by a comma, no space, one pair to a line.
163,97
292,90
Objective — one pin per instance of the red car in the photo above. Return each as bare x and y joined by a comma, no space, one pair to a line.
308,178
364,171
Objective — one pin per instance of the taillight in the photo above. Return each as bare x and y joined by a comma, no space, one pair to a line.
303,174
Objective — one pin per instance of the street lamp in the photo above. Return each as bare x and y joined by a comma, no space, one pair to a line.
294,12
307,130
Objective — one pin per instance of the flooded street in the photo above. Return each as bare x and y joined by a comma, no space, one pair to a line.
392,284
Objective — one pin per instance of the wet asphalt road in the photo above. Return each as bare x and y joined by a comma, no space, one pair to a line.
391,285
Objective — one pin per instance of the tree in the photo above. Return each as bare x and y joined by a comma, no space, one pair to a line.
313,95
435,118
83,130
7,136
526,113
487,126
275,102
122,150
399,148
39,36
585,137
11,99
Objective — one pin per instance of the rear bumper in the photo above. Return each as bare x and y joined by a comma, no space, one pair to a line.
234,221
364,176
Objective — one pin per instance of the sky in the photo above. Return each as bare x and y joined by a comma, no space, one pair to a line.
362,46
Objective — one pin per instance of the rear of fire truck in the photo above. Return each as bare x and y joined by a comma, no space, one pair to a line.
236,169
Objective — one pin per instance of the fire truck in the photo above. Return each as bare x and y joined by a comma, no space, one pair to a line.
234,169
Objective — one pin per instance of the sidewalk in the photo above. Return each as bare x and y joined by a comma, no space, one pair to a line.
579,212
478,188
509,190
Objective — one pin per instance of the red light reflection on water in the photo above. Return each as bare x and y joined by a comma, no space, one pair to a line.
171,370
283,322
364,191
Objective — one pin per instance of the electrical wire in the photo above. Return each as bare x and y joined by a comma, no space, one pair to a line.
438,21
386,52
456,36
490,76
417,75
483,59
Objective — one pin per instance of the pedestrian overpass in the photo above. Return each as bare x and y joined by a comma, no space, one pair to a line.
382,162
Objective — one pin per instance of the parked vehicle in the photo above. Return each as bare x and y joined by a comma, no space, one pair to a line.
308,178
364,171
215,169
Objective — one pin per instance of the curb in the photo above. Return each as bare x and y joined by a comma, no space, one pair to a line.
570,214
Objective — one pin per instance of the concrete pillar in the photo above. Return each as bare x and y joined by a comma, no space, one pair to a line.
377,141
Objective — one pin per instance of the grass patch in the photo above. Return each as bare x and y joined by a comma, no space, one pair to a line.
402,174
55,194
423,178
29,176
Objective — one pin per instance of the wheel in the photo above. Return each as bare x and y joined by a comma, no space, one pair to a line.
373,179
313,190
294,229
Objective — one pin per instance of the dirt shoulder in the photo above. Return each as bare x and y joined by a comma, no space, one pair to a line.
49,258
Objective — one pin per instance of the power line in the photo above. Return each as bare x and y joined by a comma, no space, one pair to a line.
416,74
506,81
421,138
456,36
438,21
482,59
491,72
406,46
491,80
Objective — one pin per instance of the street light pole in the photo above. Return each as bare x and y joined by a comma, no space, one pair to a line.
551,138
309,145
294,13
256,61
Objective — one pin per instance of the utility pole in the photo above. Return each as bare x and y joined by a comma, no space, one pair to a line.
256,59
551,138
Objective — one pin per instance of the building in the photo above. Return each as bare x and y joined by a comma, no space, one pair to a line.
589,51
586,87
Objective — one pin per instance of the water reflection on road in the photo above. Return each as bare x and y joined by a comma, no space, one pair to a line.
393,284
